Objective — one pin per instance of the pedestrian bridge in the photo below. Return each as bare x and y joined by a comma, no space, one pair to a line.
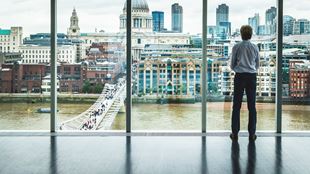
101,114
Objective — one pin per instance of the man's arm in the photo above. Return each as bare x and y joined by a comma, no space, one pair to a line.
257,59
233,58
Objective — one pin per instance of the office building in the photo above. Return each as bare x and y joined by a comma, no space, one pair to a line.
158,21
11,39
270,24
222,14
177,18
224,30
44,39
34,54
254,23
223,26
261,29
301,26
288,24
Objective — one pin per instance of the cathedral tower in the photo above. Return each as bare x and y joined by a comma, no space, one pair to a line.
74,30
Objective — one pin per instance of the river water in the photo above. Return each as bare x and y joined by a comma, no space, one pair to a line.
24,116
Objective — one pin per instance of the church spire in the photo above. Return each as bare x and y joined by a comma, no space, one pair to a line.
74,30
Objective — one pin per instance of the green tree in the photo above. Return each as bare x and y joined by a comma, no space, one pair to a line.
98,88
86,87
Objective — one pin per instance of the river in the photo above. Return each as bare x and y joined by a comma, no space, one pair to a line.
24,116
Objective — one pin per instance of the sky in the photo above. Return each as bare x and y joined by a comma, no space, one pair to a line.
34,15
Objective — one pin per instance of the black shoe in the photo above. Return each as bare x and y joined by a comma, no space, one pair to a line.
252,137
233,137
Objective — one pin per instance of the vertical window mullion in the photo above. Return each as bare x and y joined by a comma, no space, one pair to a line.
53,122
128,68
279,66
204,67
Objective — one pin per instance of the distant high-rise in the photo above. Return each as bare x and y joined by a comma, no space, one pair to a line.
222,21
158,21
224,30
271,21
288,23
261,30
177,18
301,26
254,23
222,14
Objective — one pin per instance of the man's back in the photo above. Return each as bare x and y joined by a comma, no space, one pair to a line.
245,62
245,57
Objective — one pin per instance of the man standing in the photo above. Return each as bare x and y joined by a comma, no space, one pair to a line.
245,63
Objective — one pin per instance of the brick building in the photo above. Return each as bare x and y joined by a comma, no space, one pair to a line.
299,78
22,78
71,77
29,78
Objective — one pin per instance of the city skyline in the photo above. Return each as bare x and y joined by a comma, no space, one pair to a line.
92,17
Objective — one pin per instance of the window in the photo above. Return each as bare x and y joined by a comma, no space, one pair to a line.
295,109
106,69
167,68
25,114
224,23
160,100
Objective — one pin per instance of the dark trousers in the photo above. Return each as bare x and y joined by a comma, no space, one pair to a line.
247,82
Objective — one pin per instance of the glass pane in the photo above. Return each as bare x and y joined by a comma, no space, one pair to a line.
167,65
296,66
224,21
24,65
91,64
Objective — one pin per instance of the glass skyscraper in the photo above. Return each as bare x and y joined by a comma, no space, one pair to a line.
222,14
288,22
158,21
270,20
254,23
177,18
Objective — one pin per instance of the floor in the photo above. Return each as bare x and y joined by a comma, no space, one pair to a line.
153,154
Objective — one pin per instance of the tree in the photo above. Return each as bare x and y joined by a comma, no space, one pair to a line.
86,87
98,88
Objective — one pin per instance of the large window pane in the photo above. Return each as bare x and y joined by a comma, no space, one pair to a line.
296,66
24,65
167,61
91,63
224,21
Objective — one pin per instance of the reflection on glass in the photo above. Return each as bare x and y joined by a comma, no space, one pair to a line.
95,72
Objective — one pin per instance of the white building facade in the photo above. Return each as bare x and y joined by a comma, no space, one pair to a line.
11,39
266,81
33,54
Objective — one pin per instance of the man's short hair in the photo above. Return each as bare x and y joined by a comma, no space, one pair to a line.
246,32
